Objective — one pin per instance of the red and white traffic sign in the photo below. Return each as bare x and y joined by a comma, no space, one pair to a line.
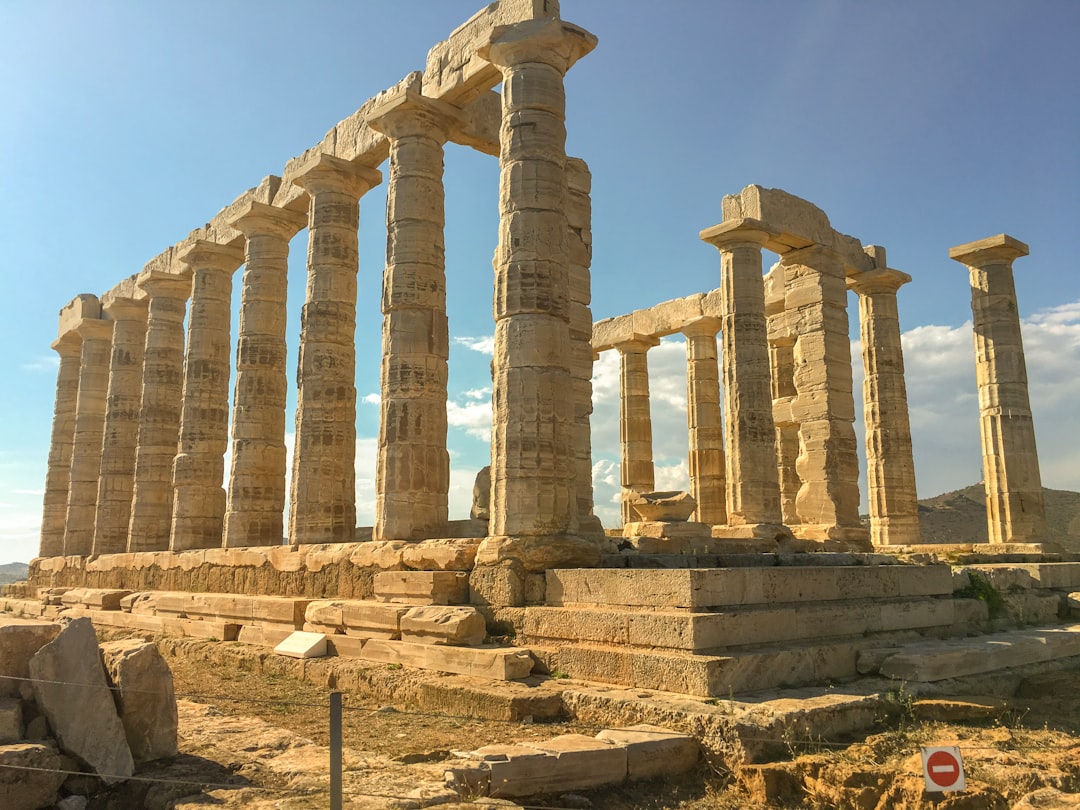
943,769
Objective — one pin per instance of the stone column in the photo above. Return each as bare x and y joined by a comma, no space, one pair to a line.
159,412
815,287
708,485
579,253
1014,495
256,500
57,477
534,492
89,429
890,465
198,509
635,422
782,363
322,507
117,477
750,441
412,478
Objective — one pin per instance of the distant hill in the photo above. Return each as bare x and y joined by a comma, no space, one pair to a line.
960,517
13,572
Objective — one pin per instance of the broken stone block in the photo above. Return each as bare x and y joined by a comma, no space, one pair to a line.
103,598
668,507
29,789
422,587
652,751
71,691
19,640
11,721
459,626
302,645
501,663
147,702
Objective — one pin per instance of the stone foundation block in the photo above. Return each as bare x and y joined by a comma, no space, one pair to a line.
20,639
361,618
29,789
571,762
11,721
498,585
652,751
422,587
262,636
103,598
462,626
202,628
500,663
345,646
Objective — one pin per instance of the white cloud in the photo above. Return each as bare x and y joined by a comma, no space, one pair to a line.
371,399
485,344
474,418
43,363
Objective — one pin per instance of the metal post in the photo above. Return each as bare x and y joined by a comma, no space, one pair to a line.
335,751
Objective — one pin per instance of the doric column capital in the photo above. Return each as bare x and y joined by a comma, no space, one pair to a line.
738,233
159,284
1000,249
260,219
202,254
68,344
872,282
408,112
549,42
90,329
705,326
638,344
126,309
324,172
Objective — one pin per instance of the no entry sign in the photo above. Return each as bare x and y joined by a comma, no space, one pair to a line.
943,769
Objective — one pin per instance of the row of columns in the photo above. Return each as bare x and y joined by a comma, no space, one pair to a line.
141,423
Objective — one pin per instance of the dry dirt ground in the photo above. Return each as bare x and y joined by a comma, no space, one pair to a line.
260,742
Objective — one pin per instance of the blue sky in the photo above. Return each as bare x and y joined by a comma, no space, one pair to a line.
916,125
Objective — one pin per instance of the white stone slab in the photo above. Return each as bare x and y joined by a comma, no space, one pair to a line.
303,645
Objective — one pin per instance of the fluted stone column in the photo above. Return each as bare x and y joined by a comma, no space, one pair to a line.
57,477
413,466
1014,496
117,477
159,411
890,465
750,439
89,429
636,471
199,467
708,484
533,470
256,497
816,293
782,362
322,506
579,253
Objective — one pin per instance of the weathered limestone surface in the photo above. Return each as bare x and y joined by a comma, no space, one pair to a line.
117,479
435,624
199,467
20,639
750,442
256,499
11,721
71,691
422,587
533,488
890,464
159,411
323,492
146,700
636,471
501,663
652,751
708,482
89,430
1014,496
29,776
54,511
413,466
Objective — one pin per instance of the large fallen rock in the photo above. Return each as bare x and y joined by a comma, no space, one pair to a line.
147,701
19,640
28,777
71,691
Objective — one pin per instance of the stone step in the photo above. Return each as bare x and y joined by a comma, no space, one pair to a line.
957,658
501,663
717,632
1010,576
422,587
229,607
722,587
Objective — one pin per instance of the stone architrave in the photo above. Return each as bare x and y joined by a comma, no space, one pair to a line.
753,495
708,485
890,464
89,431
1014,497
198,509
815,290
117,476
636,471
412,479
534,492
159,412
579,253
54,511
256,497
322,507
